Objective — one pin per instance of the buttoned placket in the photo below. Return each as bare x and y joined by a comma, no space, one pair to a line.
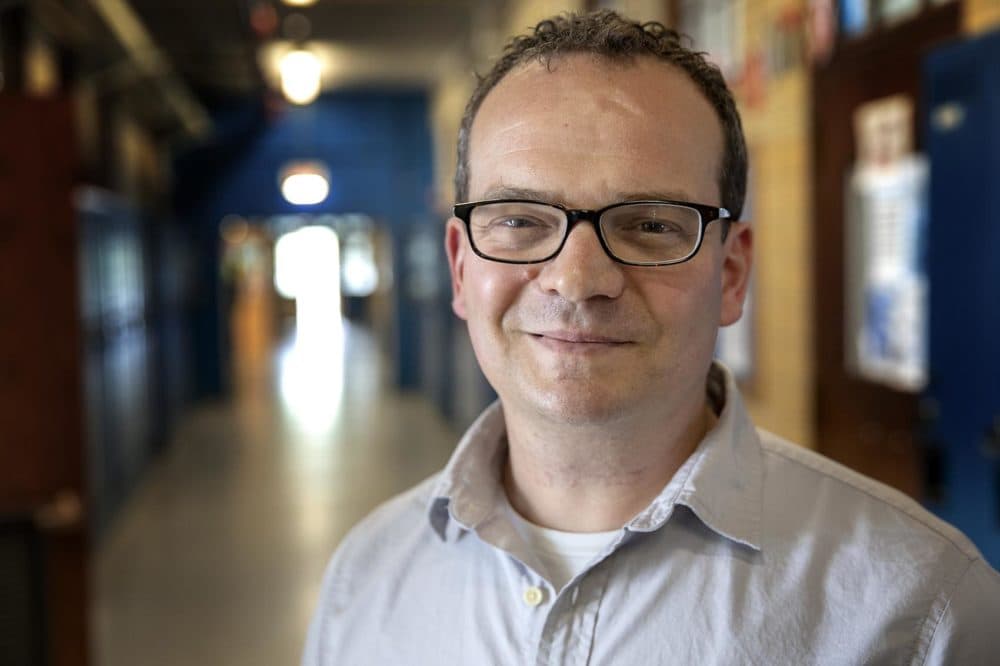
568,619
567,635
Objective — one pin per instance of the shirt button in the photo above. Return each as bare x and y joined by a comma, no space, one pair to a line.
532,596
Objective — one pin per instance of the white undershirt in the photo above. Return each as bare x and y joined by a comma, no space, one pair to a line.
563,554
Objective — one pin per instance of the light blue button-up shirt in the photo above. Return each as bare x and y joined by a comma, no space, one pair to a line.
756,552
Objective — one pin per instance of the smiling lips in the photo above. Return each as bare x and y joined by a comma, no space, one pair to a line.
578,340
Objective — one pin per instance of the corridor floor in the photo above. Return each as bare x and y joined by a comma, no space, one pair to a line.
218,556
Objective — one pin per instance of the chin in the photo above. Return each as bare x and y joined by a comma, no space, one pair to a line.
579,406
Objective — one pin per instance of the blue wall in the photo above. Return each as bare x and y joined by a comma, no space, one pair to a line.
377,146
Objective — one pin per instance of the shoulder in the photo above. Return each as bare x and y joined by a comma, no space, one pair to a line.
399,519
365,570
402,507
380,549
870,546
821,488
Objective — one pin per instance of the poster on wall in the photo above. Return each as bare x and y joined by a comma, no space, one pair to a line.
821,30
886,282
898,10
855,17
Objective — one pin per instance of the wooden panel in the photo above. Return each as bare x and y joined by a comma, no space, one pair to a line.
41,440
40,432
864,425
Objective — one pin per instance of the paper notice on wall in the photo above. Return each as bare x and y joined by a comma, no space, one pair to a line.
886,284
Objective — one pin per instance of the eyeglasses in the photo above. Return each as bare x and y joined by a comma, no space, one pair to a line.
637,233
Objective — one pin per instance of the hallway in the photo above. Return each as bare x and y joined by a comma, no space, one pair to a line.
218,557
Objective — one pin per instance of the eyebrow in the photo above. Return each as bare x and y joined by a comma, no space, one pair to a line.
505,192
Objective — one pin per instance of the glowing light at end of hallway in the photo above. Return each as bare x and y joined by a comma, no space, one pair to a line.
307,264
301,76
307,268
305,189
311,380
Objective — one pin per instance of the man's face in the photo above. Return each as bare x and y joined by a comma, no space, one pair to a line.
580,338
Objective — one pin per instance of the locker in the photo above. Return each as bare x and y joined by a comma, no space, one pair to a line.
962,402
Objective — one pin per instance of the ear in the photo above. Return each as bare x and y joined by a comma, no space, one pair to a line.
456,246
736,264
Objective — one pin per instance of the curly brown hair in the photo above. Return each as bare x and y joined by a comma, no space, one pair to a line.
607,34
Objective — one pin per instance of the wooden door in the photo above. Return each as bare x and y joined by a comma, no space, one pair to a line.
866,426
41,440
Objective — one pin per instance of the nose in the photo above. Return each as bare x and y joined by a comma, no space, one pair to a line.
582,269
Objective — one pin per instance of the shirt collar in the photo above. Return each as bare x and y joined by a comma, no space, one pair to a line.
469,489
721,482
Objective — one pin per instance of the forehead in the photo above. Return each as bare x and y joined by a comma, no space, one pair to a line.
586,128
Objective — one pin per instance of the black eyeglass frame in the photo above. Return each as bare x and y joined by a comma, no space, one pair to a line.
706,214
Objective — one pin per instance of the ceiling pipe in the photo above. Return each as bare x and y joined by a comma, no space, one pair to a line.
58,20
152,62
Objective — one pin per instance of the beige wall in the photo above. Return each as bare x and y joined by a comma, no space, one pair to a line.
447,105
780,395
643,10
981,15
523,14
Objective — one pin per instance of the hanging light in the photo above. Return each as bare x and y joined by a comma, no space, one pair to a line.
300,76
304,183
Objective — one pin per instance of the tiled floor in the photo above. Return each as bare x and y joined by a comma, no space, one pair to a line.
218,556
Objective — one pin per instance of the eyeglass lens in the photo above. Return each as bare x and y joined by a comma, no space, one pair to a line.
638,233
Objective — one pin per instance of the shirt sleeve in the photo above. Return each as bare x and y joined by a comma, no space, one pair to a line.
967,630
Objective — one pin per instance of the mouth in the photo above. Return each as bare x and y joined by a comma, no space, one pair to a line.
579,340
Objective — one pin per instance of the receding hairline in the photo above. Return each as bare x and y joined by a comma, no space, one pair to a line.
550,63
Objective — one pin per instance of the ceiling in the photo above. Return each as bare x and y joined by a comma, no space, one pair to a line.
214,46
176,57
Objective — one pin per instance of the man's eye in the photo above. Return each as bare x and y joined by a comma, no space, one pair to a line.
654,227
517,223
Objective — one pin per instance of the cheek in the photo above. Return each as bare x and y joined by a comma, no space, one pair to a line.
685,302
491,300
495,288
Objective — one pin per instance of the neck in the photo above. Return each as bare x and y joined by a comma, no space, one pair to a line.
593,478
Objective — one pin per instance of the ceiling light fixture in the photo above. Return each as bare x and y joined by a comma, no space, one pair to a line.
300,76
299,3
304,183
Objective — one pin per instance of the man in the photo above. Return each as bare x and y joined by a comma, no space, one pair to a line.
617,506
